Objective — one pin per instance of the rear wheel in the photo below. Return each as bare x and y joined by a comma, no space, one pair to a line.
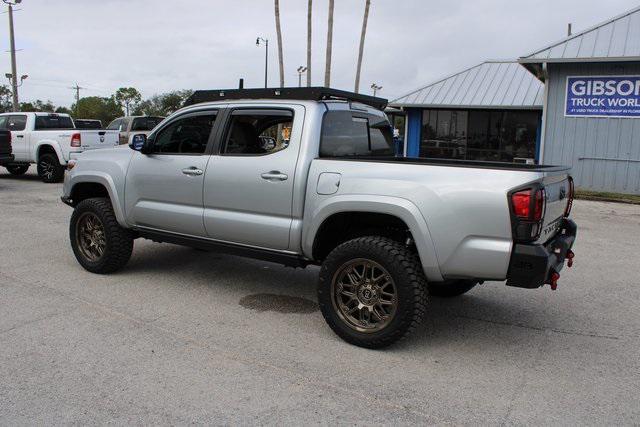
17,169
372,291
98,242
451,288
49,168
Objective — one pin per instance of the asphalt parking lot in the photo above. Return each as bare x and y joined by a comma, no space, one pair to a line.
182,336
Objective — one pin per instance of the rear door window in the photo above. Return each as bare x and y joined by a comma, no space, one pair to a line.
53,122
256,132
17,122
348,133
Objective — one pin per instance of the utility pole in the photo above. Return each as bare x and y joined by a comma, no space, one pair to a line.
375,88
327,69
77,89
360,51
266,57
569,29
309,13
14,72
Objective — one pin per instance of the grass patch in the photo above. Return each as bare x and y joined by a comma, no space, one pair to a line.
604,196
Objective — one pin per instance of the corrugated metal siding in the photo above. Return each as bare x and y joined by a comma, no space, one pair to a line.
492,84
618,37
569,140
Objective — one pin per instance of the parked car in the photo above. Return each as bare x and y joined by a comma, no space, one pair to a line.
87,124
6,156
129,125
49,140
385,230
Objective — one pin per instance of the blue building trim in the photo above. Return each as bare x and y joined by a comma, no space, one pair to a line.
414,126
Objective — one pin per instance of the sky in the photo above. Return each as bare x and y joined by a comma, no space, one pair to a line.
158,45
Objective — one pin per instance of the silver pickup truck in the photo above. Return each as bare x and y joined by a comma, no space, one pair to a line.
309,176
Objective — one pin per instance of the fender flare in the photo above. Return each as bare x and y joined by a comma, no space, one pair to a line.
401,208
53,144
106,181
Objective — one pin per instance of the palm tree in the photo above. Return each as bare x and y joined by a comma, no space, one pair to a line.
327,70
362,35
309,42
279,32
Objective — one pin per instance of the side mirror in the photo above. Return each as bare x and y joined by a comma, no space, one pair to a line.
138,142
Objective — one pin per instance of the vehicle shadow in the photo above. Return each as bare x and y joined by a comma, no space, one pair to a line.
26,177
475,316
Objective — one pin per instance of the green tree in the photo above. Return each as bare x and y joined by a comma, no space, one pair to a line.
128,97
38,106
162,104
63,110
96,107
6,104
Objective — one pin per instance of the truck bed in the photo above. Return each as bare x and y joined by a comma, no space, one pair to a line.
453,163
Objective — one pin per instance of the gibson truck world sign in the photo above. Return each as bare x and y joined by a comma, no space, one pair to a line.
607,96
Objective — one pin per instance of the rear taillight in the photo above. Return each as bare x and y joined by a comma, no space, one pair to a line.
528,211
567,210
76,140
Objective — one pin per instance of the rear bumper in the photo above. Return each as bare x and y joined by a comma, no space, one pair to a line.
6,158
532,266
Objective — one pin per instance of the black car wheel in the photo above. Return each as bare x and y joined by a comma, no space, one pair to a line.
49,168
17,169
372,291
99,243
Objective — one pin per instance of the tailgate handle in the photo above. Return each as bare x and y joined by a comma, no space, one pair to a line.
101,133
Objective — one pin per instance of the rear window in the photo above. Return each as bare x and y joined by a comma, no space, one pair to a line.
145,123
348,133
53,122
88,124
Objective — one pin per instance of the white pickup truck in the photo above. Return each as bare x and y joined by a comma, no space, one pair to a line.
49,140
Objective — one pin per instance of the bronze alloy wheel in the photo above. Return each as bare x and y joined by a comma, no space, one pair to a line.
364,295
90,236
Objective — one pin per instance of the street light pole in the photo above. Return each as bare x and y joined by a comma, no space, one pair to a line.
301,70
375,88
266,57
14,72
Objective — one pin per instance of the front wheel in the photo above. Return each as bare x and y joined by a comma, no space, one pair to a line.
49,168
98,242
17,169
372,291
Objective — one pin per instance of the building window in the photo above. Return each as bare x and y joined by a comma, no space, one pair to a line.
490,135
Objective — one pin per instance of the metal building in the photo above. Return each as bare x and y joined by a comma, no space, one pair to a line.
491,111
591,117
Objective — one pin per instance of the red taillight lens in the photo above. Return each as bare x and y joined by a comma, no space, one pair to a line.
525,208
567,210
538,204
521,203
75,140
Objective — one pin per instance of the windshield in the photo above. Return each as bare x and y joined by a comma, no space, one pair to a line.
145,123
53,121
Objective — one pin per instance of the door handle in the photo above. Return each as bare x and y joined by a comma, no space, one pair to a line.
192,171
19,136
274,176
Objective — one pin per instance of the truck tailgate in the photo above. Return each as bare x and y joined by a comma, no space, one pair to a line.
93,139
557,188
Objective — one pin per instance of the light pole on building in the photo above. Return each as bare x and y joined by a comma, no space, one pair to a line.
12,42
301,70
266,56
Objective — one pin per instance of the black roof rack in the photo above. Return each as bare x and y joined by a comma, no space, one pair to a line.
302,93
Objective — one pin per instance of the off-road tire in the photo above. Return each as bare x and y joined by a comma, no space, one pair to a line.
450,289
17,170
404,267
119,241
49,168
